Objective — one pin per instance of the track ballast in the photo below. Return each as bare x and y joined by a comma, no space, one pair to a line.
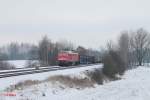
26,71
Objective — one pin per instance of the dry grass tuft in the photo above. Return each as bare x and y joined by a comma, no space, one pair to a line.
71,82
96,76
21,85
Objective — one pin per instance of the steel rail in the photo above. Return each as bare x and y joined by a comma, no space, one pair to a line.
40,70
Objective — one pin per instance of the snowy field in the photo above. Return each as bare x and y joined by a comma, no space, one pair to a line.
18,63
134,85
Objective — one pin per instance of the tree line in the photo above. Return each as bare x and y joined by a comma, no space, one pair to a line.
16,51
49,50
132,49
45,52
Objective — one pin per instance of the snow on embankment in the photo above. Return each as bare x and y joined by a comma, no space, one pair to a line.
6,82
135,85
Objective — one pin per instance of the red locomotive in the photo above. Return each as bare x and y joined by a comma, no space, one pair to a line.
68,58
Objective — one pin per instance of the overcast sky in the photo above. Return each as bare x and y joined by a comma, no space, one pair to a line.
84,22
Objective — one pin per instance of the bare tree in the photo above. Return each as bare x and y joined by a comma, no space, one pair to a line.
113,63
111,46
140,42
123,44
53,52
13,50
33,53
44,46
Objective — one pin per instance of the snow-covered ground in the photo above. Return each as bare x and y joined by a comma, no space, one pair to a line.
134,85
5,82
18,63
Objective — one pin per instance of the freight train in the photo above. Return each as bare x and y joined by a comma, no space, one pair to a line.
68,58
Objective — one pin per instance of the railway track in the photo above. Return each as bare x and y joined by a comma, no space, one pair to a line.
19,72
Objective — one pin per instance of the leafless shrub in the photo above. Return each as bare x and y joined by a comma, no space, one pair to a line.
96,75
23,84
113,64
6,66
72,82
32,64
